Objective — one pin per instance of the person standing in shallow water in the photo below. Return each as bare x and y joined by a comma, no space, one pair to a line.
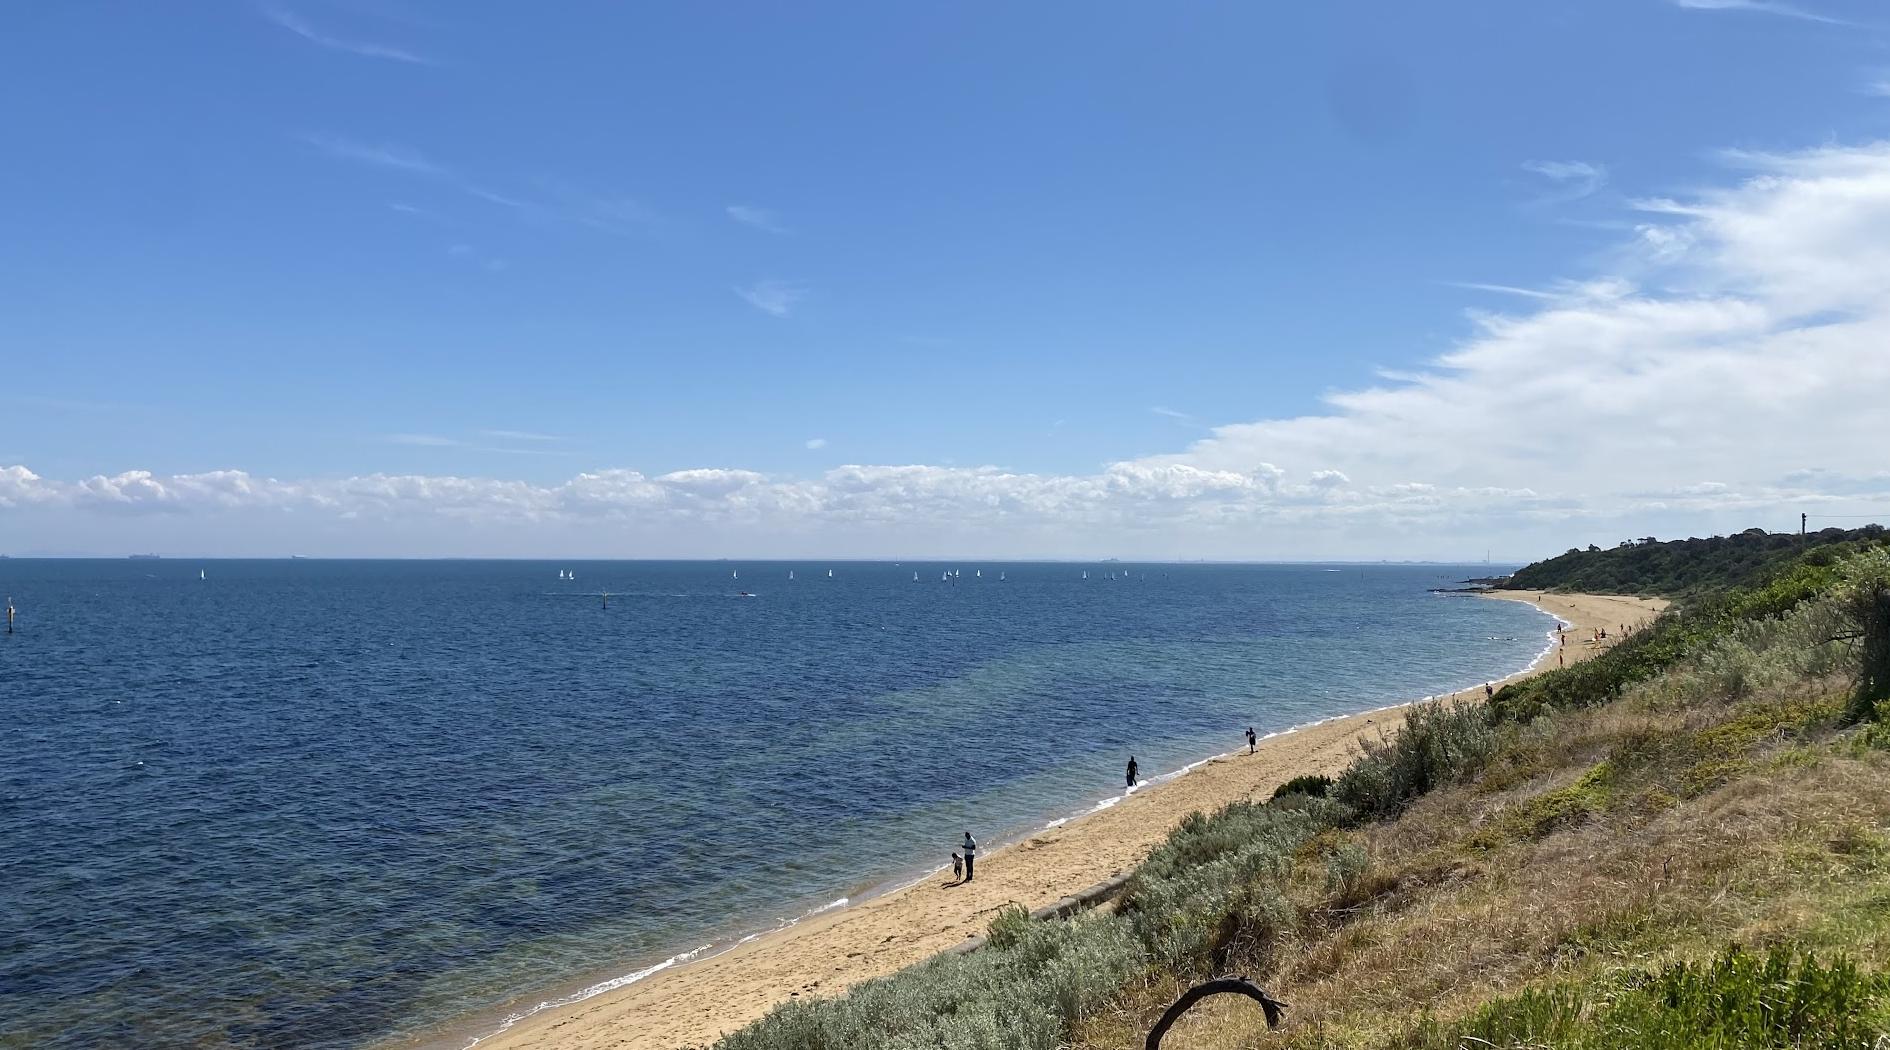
1251,740
971,855
1131,770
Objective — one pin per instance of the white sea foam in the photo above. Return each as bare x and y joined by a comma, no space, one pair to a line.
706,951
592,991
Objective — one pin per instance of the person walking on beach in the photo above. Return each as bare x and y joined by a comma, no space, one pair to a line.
1251,740
958,867
1488,692
971,856
1131,770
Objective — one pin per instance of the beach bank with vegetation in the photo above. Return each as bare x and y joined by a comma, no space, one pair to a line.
1680,842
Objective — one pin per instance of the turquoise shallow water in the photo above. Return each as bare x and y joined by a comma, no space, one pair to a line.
320,803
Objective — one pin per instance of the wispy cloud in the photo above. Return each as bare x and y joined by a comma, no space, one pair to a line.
300,26
1175,414
759,218
1878,88
607,212
1761,6
558,202
385,155
1502,289
772,297
1574,179
443,441
816,443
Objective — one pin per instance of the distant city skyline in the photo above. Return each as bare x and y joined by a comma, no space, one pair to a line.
357,278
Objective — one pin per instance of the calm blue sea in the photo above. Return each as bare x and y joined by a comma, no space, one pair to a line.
322,803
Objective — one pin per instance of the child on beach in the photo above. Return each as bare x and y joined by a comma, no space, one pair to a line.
958,867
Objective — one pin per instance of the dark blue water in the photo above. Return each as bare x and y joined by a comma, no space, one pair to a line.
318,803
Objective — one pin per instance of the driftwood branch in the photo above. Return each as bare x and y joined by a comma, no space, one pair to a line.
1275,1009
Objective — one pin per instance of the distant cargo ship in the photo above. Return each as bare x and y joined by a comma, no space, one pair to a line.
144,557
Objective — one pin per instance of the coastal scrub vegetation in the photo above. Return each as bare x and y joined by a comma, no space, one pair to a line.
1681,568
1680,842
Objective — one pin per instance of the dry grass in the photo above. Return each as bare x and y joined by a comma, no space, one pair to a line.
1628,836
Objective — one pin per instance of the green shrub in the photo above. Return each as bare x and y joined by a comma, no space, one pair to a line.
1439,743
1214,880
1313,784
1025,989
1345,865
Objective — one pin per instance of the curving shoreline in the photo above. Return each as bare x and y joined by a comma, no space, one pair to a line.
692,999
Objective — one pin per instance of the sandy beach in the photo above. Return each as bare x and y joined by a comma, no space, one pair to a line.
693,1004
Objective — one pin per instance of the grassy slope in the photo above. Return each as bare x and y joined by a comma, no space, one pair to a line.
1671,845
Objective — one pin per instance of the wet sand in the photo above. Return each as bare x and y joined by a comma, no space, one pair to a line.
695,1003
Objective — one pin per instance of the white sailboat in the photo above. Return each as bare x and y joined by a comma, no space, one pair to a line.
1086,574
977,574
734,574
830,574
1000,577
790,575
202,575
915,577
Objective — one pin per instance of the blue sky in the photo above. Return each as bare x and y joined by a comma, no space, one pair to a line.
323,240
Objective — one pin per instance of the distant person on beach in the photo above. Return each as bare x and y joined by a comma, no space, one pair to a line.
1489,692
971,856
958,867
1131,770
1251,740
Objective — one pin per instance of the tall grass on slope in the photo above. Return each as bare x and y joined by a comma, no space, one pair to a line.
1735,1001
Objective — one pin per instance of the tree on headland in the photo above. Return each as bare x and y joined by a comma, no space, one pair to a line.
1866,603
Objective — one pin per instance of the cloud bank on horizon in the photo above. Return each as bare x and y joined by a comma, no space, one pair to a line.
1730,367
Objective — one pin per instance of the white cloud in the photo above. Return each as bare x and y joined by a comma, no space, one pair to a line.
772,297
1763,6
759,218
1733,372
1574,179
816,443
294,23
